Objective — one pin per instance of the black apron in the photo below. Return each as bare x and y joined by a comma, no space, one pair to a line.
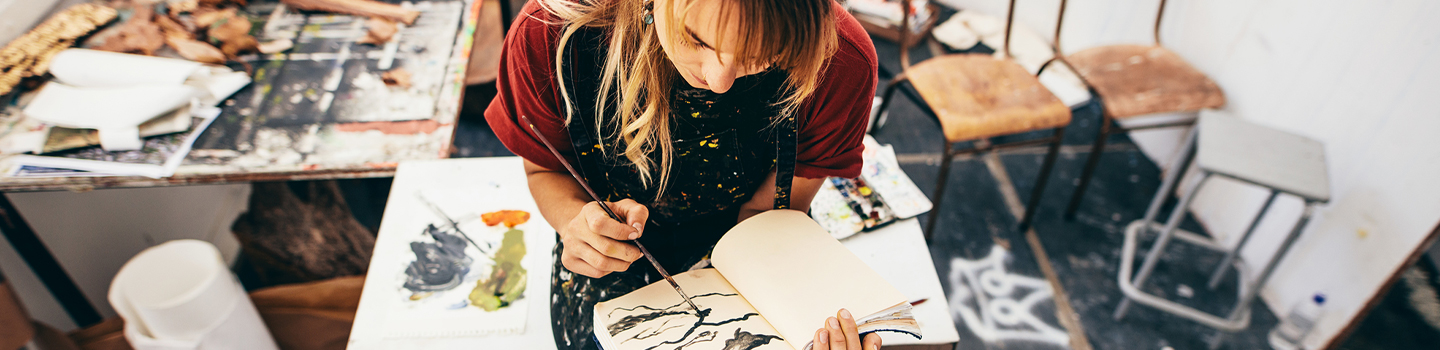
725,147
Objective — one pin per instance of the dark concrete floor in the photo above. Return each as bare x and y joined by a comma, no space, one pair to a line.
1082,255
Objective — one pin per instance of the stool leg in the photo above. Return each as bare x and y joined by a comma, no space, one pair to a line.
946,158
1152,257
1250,294
1177,172
1230,256
1090,165
1044,179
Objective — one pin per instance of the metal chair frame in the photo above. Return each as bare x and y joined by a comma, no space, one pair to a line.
1107,124
978,145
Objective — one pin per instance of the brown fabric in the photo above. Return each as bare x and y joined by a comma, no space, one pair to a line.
49,338
305,316
107,335
15,328
1135,80
312,236
979,96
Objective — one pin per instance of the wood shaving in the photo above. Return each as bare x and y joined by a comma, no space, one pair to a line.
365,8
233,33
30,54
380,31
396,77
139,35
274,46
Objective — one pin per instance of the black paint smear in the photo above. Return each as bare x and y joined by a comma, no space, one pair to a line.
746,341
654,331
628,322
438,266
637,307
741,341
699,339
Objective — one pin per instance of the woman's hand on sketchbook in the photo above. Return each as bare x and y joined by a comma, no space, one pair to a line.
840,333
592,240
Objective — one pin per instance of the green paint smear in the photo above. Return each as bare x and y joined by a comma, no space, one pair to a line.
507,277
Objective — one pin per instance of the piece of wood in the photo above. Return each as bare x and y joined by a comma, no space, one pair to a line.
1135,80
489,38
978,96
304,237
378,31
29,55
365,8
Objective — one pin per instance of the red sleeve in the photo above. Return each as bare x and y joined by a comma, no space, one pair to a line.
527,86
834,119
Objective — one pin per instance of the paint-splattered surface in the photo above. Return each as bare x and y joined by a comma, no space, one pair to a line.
456,255
320,109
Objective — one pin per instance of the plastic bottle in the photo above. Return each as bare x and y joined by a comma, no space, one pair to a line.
1292,330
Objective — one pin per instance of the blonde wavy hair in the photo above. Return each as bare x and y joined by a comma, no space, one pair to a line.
797,36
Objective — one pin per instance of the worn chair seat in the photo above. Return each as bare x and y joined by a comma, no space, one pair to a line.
978,96
1136,80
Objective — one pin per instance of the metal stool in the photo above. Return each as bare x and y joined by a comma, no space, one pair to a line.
1235,149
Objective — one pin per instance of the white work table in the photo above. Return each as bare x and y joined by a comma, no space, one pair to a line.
898,252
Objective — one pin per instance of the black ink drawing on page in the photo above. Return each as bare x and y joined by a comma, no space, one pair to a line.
676,327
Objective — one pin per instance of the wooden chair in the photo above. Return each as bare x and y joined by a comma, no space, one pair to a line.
1135,80
975,97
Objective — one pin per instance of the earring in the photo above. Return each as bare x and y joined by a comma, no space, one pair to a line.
649,18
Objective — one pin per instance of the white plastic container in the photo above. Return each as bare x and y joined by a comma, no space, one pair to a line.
1290,333
180,296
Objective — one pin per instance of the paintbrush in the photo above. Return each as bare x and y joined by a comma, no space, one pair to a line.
602,204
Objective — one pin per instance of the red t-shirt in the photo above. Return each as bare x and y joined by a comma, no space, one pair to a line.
831,122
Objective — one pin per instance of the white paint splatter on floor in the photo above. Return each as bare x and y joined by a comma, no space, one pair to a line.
999,306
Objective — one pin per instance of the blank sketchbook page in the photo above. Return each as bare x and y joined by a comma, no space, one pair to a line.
796,274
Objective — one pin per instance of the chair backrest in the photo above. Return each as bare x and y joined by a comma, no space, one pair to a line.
1009,27
1060,21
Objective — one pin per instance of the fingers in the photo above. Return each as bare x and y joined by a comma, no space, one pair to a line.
872,341
837,336
574,264
821,340
847,326
600,222
599,260
635,214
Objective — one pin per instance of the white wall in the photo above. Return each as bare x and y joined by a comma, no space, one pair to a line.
1360,75
93,234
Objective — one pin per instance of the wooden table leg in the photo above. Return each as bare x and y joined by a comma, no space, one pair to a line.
49,271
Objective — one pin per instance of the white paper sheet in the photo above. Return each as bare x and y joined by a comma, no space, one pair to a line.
115,93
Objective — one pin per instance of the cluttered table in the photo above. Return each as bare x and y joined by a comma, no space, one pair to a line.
329,101
104,97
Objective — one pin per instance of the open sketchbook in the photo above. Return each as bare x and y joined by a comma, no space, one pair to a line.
777,276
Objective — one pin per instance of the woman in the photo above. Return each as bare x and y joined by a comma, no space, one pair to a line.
688,116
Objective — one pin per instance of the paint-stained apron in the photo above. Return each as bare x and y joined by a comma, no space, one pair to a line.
726,145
